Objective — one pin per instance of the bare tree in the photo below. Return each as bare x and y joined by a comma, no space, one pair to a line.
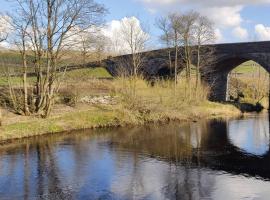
189,34
21,25
3,28
1,117
175,20
100,47
91,43
186,32
3,37
163,23
135,38
204,35
51,24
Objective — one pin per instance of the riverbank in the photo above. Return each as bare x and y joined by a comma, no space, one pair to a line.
93,103
83,116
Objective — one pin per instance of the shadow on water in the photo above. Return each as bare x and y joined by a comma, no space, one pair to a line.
202,160
247,107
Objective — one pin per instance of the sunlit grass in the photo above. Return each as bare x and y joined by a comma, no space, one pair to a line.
85,73
159,103
249,67
77,75
70,121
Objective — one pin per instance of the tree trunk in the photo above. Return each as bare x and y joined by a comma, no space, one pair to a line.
198,68
25,87
170,63
175,62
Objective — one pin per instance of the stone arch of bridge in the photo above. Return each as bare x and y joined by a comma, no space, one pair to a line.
217,76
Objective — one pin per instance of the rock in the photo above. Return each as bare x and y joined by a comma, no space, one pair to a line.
105,100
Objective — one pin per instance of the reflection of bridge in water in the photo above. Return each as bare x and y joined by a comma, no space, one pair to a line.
210,145
231,158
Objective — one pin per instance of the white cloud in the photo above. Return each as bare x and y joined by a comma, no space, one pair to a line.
240,33
224,16
218,35
206,3
262,32
113,32
152,10
5,29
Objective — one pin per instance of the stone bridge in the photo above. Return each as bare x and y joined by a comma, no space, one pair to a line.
226,56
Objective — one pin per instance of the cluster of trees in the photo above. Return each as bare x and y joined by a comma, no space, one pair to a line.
185,36
42,29
186,33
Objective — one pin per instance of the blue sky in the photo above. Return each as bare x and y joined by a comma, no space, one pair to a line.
236,20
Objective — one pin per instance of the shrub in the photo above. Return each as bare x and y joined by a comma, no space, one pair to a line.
69,96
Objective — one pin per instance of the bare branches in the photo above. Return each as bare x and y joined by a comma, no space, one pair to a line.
42,30
189,33
135,38
3,37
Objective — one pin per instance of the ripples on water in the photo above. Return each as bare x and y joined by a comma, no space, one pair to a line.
205,160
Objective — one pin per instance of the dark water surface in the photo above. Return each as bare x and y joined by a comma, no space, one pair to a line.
203,160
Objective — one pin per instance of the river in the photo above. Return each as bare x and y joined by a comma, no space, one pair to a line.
211,159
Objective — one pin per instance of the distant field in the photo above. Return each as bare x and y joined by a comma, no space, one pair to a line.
98,72
78,74
249,67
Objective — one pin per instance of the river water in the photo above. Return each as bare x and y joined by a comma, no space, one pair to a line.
201,160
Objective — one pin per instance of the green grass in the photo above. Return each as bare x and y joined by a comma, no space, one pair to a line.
69,121
16,81
248,67
110,117
151,104
98,72
78,74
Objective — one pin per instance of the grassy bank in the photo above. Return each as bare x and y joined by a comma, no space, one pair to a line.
107,116
80,102
86,107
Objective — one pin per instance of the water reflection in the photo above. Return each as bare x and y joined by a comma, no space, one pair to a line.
251,135
204,160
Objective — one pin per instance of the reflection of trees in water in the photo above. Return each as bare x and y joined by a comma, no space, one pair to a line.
26,173
49,185
155,162
170,142
173,142
188,183
260,131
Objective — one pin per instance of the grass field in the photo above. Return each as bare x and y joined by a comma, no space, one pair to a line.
78,74
249,67
85,73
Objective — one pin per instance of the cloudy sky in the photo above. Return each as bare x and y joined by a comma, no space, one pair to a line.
235,20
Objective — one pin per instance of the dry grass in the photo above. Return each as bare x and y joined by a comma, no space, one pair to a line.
164,101
159,103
